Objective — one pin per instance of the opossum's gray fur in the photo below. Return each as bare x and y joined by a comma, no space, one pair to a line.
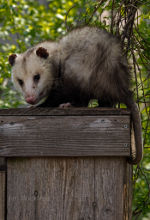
87,63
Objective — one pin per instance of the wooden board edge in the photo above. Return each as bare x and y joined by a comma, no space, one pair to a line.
63,112
2,188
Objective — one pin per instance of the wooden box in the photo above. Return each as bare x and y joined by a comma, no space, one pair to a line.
65,164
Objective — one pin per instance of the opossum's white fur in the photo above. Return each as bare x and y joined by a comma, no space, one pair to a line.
26,71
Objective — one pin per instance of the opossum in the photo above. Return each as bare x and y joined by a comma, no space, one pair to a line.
85,64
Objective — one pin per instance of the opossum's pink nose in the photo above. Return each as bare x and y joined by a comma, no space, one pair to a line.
30,99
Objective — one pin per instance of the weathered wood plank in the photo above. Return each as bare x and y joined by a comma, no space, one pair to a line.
109,188
65,136
59,112
50,189
113,187
128,185
2,188
69,189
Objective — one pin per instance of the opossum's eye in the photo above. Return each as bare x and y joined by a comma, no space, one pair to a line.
36,78
20,81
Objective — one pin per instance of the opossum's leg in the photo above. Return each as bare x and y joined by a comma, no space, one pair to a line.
104,103
73,104
55,98
80,103
48,104
65,105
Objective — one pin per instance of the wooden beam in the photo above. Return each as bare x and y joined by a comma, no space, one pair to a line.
2,188
68,188
63,112
39,135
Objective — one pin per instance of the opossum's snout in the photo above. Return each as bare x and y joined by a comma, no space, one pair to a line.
31,100
34,87
34,99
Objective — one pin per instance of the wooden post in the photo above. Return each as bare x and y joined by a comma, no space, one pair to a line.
67,164
2,188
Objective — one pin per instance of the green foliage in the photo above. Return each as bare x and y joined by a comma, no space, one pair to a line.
141,203
25,23
142,188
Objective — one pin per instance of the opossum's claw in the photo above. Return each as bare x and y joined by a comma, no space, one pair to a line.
65,105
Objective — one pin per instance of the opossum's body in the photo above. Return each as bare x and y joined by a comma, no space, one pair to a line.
85,64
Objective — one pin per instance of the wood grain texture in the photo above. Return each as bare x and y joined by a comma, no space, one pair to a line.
128,185
50,189
2,188
112,189
60,112
103,135
68,189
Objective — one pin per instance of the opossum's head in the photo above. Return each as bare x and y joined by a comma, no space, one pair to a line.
32,74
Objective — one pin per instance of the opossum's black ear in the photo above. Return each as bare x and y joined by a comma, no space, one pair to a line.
11,59
42,52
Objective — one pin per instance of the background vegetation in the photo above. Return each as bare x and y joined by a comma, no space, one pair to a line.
24,23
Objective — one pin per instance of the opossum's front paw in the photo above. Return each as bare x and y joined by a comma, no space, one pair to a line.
65,105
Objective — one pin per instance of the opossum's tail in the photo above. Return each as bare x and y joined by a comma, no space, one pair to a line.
137,130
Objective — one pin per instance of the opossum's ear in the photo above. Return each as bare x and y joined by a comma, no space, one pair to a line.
11,59
42,52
